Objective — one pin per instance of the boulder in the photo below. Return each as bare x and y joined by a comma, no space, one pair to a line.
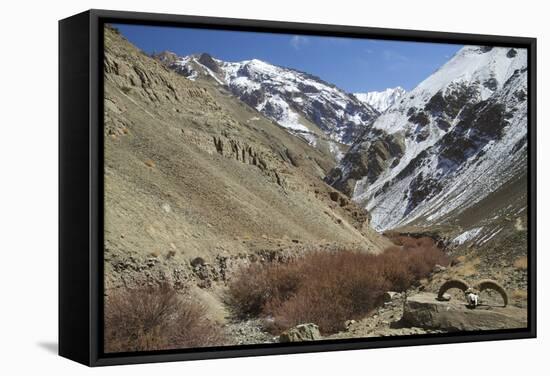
389,296
300,333
425,311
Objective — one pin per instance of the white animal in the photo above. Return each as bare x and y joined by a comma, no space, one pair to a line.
473,299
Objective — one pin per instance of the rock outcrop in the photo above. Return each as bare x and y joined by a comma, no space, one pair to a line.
300,333
425,311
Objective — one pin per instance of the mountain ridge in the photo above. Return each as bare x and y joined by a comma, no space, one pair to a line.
304,104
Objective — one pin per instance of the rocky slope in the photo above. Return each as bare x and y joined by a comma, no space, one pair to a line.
452,152
305,105
381,100
198,183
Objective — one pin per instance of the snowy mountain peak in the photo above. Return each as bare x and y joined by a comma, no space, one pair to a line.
488,67
304,104
381,100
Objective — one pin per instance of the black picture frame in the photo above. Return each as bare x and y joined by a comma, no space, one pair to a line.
81,186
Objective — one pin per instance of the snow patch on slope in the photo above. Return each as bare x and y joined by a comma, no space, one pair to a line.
381,100
466,236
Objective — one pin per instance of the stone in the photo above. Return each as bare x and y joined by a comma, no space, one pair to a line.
445,297
425,311
389,296
439,268
349,323
300,333
197,262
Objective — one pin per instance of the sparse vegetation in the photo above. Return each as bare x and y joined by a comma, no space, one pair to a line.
328,288
156,319
521,263
458,260
469,267
519,294
149,163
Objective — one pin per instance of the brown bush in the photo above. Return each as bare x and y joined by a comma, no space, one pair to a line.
156,319
521,263
255,286
327,288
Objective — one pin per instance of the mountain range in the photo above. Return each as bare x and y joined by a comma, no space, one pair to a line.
420,157
212,168
315,110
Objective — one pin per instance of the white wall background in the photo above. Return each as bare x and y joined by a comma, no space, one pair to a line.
28,185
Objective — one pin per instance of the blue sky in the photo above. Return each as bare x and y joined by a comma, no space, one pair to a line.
355,65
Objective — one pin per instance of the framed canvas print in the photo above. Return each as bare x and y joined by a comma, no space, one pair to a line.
239,187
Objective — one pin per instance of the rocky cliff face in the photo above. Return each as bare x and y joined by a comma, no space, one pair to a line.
305,105
457,138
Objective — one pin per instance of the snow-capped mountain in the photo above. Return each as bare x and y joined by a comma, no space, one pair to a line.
381,100
457,137
302,103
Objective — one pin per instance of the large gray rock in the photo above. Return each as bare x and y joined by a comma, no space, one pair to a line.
302,332
425,311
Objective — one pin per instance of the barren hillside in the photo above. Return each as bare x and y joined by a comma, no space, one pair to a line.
192,174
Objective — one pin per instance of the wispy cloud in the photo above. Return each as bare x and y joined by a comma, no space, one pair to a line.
394,56
298,41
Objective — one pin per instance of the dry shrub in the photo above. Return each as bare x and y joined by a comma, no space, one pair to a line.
255,286
521,263
458,260
520,294
469,267
156,319
333,287
328,288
